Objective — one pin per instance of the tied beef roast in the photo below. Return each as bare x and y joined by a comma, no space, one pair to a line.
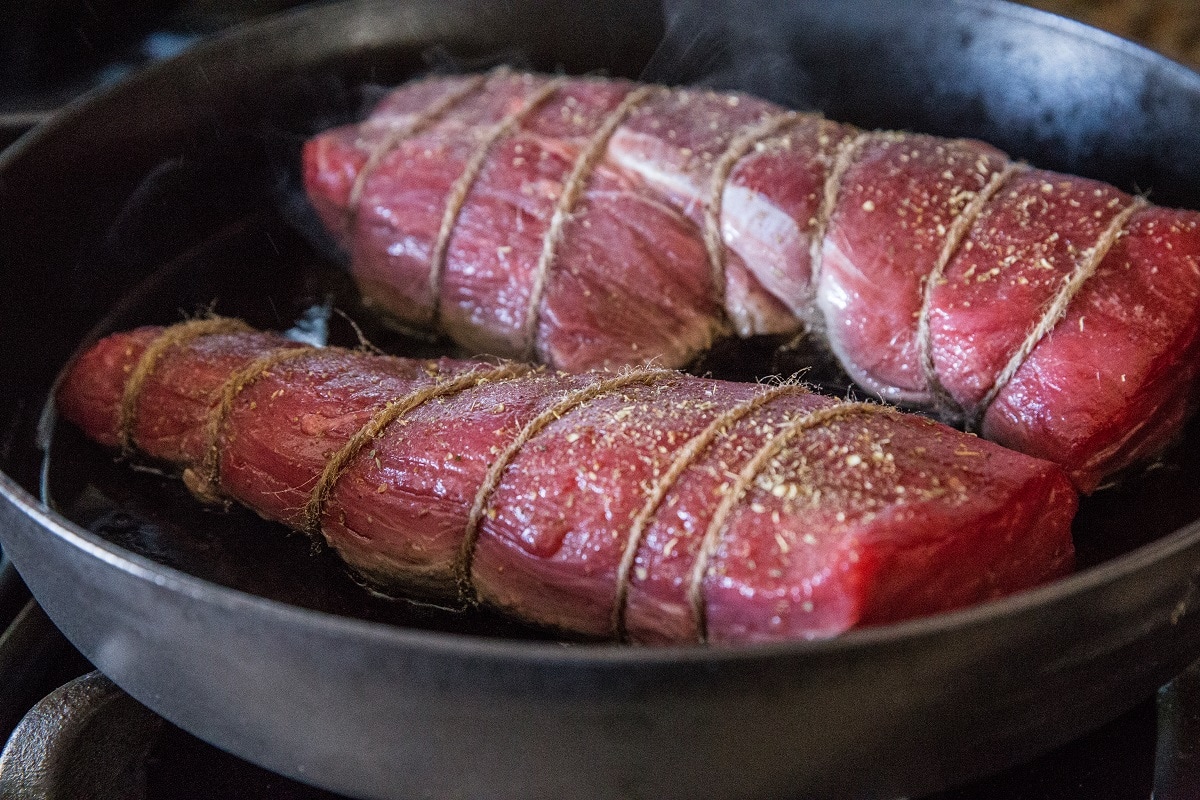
593,222
646,504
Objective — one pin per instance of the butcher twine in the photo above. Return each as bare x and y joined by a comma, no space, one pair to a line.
737,148
746,478
491,481
686,456
457,198
398,133
205,481
943,404
572,190
178,334
1057,309
378,423
844,155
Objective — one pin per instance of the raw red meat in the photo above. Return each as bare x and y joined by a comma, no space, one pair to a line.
647,504
471,265
595,222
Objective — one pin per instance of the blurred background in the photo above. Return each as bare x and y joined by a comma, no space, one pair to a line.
1169,26
52,50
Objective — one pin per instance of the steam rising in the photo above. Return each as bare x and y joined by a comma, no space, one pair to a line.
728,45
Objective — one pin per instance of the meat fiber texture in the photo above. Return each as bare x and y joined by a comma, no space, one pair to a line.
593,222
647,505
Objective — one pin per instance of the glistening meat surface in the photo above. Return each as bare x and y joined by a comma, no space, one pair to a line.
647,504
595,222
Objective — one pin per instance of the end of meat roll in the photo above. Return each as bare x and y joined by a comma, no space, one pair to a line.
1116,380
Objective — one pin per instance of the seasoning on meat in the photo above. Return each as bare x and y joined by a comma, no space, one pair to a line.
597,223
647,504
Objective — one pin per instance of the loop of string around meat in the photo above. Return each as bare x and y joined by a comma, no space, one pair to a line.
572,191
735,151
461,189
944,405
384,417
685,458
572,401
745,479
397,133
173,336
1085,268
204,481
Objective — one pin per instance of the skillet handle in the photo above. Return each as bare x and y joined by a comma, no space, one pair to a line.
86,739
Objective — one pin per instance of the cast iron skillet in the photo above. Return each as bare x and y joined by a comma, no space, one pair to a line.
163,193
